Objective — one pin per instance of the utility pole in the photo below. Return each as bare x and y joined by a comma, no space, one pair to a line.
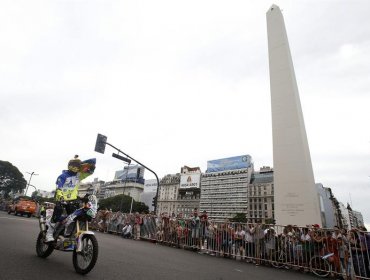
29,181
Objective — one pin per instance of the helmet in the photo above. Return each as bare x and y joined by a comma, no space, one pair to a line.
74,165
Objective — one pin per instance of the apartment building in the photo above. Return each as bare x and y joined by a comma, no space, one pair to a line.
261,196
224,187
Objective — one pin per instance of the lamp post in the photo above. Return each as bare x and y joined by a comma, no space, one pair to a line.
33,187
101,142
29,181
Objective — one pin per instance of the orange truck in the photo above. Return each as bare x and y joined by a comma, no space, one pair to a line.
23,207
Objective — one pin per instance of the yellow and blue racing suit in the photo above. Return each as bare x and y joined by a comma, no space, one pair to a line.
67,187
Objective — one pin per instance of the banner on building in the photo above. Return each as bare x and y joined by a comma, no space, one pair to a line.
130,172
231,163
150,185
190,181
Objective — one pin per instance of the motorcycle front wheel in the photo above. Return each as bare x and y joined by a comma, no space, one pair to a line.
43,250
85,260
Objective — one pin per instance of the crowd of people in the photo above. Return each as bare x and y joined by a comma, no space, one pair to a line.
346,251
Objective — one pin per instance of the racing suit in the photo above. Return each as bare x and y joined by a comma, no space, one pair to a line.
67,190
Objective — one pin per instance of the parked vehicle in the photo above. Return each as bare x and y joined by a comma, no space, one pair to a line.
76,237
23,207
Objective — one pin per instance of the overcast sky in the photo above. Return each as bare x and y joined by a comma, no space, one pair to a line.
176,83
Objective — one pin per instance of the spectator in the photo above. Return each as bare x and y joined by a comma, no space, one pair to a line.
127,231
343,256
249,242
212,234
240,241
203,229
306,241
336,233
138,223
258,242
179,234
195,229
357,250
270,243
227,236
330,245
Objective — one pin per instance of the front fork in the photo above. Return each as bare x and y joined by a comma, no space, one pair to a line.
42,224
80,234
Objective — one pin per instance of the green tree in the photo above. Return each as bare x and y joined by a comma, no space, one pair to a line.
122,203
11,179
239,218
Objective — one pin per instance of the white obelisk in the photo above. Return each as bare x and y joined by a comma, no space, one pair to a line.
296,198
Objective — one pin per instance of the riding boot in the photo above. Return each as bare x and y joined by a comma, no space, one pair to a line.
49,234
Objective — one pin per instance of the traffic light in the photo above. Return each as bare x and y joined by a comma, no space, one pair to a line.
121,158
101,141
154,201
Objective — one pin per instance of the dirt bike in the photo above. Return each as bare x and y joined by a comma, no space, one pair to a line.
72,234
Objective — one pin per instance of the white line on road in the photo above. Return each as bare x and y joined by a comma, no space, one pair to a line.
19,219
238,270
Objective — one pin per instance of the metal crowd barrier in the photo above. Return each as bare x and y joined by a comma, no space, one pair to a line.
324,252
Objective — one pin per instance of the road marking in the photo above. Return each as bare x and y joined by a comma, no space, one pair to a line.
238,270
16,219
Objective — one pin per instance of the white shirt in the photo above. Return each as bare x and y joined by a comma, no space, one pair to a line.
127,229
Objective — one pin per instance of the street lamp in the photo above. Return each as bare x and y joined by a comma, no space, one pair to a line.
29,181
33,187
101,142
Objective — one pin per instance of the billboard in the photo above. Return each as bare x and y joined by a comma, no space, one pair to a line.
130,172
231,163
150,185
188,181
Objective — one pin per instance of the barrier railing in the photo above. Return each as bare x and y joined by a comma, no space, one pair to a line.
324,252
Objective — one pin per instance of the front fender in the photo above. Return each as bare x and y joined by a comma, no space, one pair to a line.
79,239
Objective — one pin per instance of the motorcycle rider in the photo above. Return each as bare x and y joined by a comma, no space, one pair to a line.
67,185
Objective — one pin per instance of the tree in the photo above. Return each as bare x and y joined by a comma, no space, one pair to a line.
122,203
11,179
239,218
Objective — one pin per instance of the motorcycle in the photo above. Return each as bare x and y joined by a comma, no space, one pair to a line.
72,234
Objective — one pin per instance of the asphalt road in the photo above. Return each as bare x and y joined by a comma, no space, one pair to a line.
119,259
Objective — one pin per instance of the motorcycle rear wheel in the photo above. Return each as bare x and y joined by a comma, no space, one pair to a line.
43,250
84,261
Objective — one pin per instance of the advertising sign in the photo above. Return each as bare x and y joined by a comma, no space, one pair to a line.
150,185
131,172
231,163
190,181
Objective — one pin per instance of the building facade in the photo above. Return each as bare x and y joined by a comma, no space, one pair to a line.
93,187
189,191
129,181
150,191
261,197
224,187
358,220
167,194
327,210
